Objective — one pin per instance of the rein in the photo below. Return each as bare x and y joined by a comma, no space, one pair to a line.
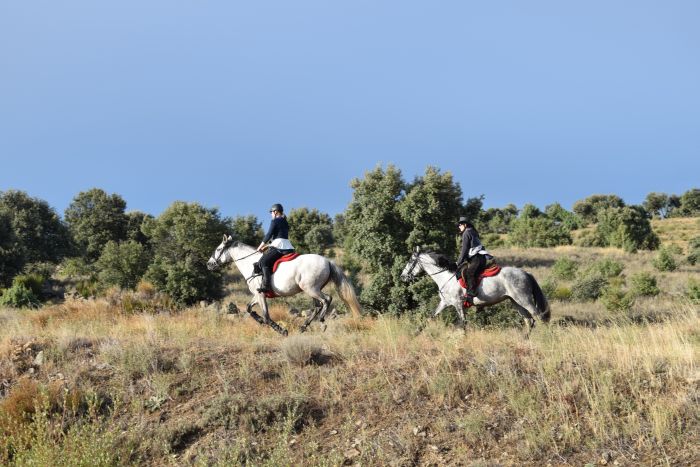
418,261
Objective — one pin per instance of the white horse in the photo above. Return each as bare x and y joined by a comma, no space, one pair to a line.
513,283
307,273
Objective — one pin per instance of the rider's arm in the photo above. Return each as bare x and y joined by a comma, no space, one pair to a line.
270,233
464,254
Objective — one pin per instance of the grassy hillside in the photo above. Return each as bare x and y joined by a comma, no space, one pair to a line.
93,383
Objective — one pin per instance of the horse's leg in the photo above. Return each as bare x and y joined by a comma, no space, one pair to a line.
324,309
324,299
441,306
527,316
266,316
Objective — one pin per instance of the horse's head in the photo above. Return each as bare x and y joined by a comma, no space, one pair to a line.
220,255
413,267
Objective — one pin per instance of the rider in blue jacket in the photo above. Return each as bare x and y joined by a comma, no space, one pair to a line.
278,236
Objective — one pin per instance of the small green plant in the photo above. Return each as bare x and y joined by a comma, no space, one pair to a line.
693,291
588,287
562,293
18,296
665,261
616,300
644,284
33,282
565,268
609,267
694,251
548,286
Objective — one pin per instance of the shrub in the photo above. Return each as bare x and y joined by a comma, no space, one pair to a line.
94,218
32,282
533,229
643,283
122,264
609,267
501,315
588,287
665,261
548,286
627,228
183,237
693,291
565,268
694,251
615,299
562,293
18,296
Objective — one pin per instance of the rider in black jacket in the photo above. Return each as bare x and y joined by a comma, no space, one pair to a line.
278,236
472,258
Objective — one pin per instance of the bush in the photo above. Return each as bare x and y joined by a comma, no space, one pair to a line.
32,282
609,267
501,315
644,283
588,287
183,237
693,291
538,231
548,286
665,261
562,293
18,296
694,251
615,299
627,228
122,264
565,268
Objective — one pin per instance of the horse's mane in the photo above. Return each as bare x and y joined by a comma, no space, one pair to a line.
442,260
243,245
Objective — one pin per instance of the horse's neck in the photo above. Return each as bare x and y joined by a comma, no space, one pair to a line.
436,273
244,259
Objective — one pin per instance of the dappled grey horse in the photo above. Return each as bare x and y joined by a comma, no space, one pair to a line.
307,273
511,283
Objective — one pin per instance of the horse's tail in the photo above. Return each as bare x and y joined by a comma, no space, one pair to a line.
345,289
540,300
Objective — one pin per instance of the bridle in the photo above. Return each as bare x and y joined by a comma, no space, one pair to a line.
416,261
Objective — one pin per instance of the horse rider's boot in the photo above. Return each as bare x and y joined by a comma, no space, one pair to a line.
471,290
267,278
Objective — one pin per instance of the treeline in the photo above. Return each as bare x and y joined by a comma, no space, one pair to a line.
98,244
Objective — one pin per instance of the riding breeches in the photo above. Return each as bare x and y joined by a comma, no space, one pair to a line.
470,270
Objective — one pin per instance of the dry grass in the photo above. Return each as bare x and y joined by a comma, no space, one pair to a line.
201,388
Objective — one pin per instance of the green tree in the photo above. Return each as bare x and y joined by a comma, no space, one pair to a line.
561,216
587,209
498,220
39,232
183,238
627,228
310,230
12,259
690,203
134,222
247,229
122,263
430,211
375,233
94,218
657,204
534,229
694,251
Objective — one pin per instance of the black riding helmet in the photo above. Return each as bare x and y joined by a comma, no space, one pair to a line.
276,207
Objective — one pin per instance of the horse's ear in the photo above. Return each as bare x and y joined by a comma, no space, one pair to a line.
224,240
230,238
417,249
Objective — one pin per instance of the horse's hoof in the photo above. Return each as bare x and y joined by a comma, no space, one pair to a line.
285,333
302,329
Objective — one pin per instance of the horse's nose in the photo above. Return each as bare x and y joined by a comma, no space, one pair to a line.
211,264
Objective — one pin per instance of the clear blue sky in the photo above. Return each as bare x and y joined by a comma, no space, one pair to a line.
242,104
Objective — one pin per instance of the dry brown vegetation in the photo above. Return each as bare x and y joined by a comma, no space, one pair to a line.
96,383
